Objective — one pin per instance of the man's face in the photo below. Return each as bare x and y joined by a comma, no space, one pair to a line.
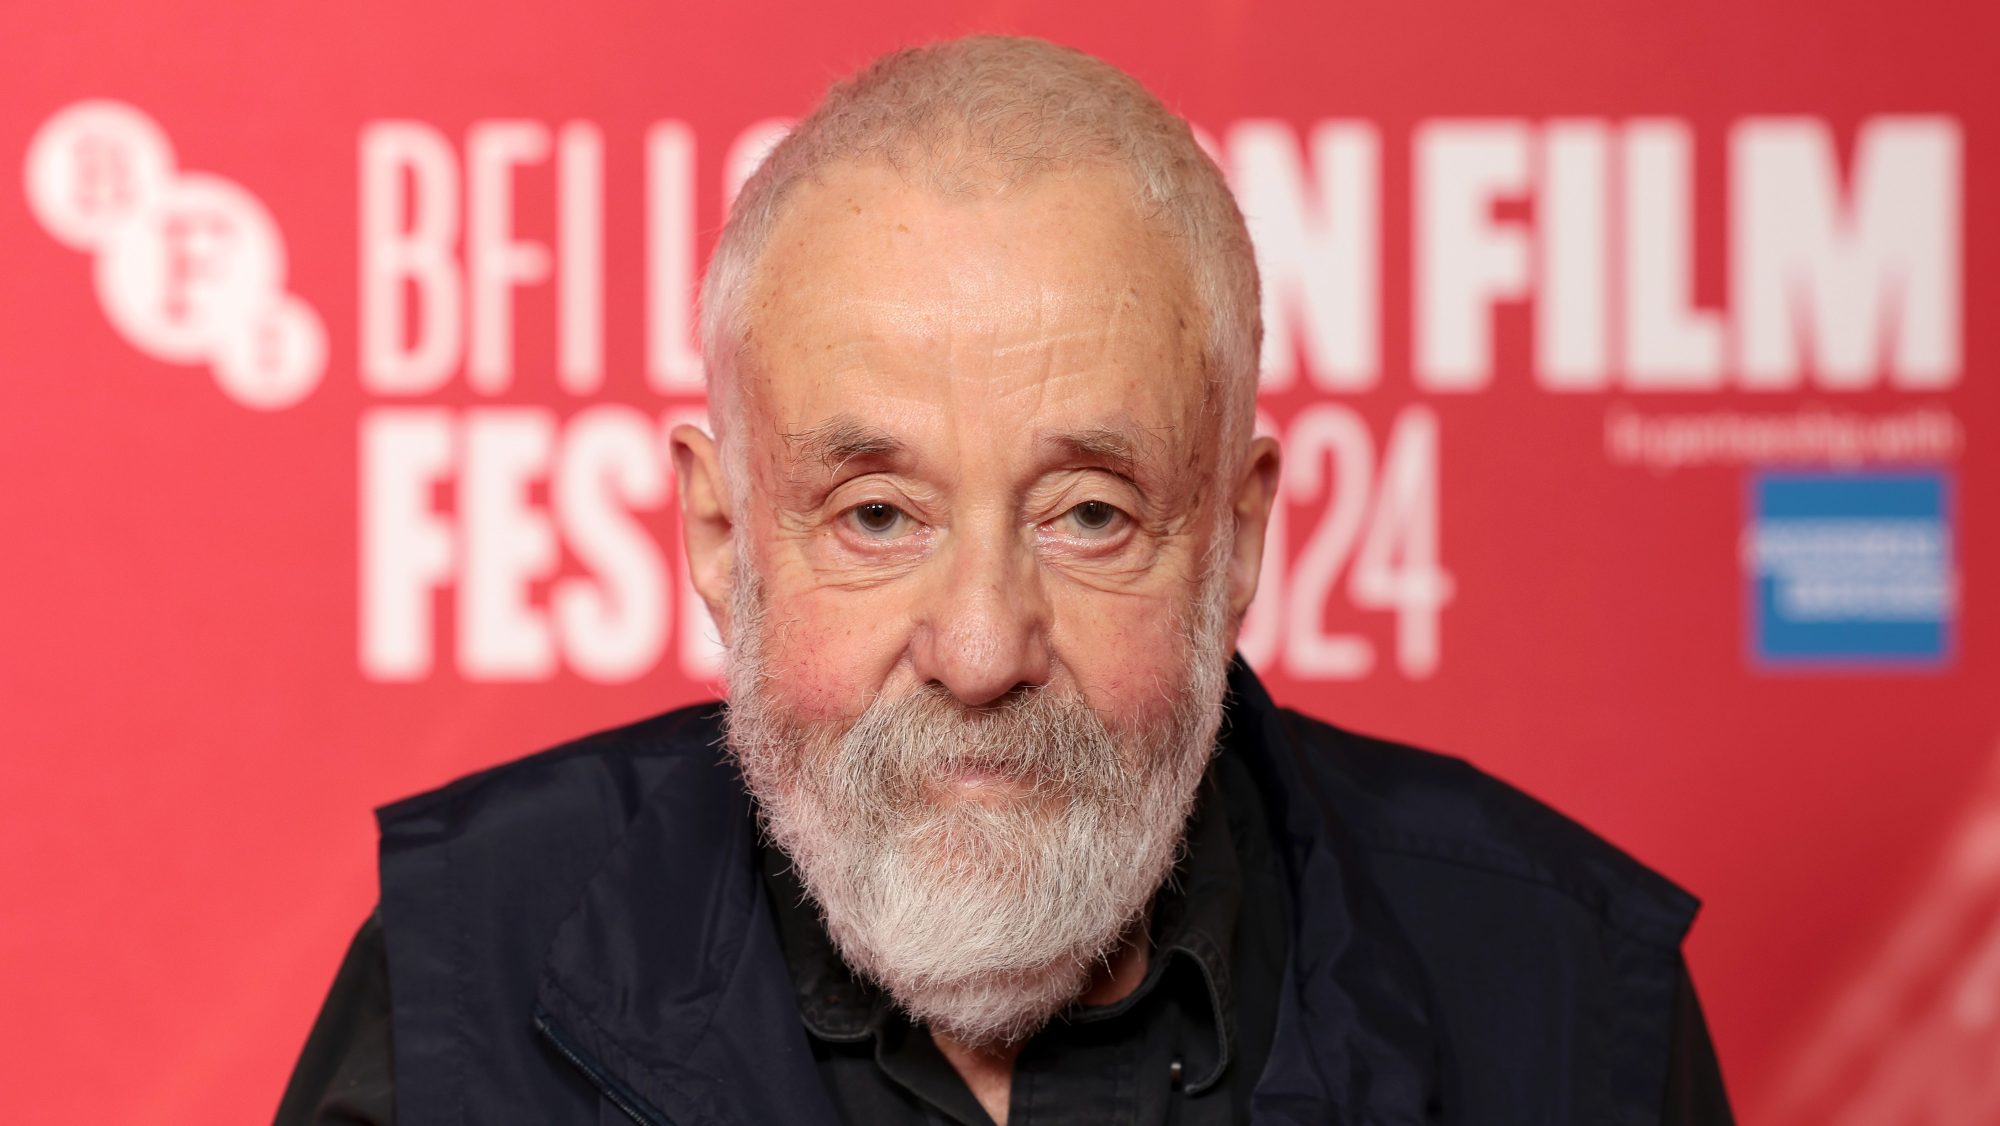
976,442
984,578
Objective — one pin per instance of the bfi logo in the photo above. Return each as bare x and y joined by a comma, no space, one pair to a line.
190,267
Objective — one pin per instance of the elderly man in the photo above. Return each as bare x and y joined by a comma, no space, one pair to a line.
979,521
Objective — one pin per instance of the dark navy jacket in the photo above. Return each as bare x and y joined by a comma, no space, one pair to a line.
581,936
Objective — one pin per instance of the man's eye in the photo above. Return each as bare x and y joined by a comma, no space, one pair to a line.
1094,517
877,518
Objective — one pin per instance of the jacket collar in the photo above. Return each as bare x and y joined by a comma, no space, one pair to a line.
1354,1039
667,986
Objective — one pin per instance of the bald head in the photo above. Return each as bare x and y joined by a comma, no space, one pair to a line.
991,115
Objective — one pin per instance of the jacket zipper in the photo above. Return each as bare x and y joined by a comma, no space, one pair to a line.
610,1088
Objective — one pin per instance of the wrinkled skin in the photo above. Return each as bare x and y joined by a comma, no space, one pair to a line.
1009,345
978,456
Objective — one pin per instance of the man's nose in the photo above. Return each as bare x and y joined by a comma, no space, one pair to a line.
983,628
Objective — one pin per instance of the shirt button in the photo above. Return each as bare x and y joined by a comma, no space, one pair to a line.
1174,1073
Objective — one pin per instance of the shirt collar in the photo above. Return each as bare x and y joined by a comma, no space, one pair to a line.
834,1002
1192,924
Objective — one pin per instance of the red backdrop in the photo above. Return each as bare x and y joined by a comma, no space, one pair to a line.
1625,356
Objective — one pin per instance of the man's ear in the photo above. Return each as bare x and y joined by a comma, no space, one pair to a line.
1256,492
706,530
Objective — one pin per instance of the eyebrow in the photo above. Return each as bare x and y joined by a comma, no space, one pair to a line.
833,443
1116,448
839,440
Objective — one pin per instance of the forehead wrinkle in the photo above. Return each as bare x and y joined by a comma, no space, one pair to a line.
1038,339
1029,363
1071,334
975,321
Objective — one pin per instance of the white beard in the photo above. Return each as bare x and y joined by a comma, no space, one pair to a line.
982,920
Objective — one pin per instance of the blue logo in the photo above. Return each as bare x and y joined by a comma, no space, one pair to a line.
1851,569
